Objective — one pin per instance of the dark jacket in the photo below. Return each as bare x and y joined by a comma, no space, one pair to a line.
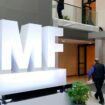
60,5
99,71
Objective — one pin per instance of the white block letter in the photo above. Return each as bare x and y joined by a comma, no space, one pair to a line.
11,46
49,46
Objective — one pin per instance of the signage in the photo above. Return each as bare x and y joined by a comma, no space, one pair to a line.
31,47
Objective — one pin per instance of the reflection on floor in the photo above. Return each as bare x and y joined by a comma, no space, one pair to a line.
71,79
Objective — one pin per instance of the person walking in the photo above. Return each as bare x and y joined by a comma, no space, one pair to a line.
97,73
60,7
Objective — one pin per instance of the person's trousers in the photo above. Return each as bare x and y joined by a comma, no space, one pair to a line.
98,84
60,16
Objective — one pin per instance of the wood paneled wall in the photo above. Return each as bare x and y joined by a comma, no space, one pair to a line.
69,59
90,57
93,6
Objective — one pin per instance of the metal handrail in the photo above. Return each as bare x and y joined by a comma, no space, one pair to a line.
75,13
70,4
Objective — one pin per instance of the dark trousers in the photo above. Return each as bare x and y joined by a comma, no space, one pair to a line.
60,16
98,84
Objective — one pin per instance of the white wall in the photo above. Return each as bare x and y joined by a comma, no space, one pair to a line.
100,8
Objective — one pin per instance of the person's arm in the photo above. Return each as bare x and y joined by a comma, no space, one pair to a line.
90,73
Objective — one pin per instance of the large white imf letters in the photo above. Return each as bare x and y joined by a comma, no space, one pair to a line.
24,50
49,47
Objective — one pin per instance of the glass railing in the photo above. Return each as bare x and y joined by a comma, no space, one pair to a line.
76,14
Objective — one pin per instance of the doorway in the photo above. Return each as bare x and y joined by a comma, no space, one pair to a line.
81,60
86,55
77,57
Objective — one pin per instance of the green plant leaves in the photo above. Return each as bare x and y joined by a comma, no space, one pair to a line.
79,93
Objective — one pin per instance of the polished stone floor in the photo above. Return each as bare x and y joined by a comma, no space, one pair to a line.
93,101
71,79
84,79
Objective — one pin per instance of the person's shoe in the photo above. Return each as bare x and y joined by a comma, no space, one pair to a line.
101,102
96,97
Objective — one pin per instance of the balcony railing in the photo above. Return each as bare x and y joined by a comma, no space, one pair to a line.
76,14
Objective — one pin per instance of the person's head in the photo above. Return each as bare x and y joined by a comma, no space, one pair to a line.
96,60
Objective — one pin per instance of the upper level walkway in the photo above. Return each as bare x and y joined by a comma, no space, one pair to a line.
73,18
75,25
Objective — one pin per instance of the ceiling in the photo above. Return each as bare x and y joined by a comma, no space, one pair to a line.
74,41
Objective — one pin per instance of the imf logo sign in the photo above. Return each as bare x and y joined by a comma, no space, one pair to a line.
33,47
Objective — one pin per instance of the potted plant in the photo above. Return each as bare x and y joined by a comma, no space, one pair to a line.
66,18
79,93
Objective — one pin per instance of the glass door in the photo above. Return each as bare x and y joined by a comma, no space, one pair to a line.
81,60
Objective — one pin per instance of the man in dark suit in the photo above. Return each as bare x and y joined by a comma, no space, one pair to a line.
97,72
60,7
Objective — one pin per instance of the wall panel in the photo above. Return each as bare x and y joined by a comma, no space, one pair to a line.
69,59
25,11
90,57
